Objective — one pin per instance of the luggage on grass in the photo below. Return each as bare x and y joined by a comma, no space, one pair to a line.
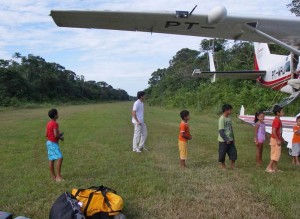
66,207
5,215
99,202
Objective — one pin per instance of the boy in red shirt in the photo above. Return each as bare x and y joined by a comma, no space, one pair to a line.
184,136
53,136
276,140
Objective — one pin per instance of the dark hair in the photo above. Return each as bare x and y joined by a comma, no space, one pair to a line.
52,113
184,114
298,117
277,109
226,107
140,94
257,114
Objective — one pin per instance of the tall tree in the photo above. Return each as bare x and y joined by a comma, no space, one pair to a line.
294,7
12,85
156,76
17,55
213,44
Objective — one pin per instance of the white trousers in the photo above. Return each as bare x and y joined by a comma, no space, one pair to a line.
139,136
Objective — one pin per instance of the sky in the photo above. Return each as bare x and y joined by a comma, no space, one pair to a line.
125,60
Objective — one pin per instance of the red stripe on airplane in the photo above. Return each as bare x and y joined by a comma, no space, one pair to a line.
269,83
276,84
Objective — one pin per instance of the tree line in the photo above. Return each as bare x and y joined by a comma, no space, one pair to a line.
30,78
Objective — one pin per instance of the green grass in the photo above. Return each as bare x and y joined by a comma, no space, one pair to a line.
98,150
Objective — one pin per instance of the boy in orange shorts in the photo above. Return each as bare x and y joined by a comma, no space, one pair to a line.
276,140
184,136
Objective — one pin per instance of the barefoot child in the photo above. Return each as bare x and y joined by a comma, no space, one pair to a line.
226,138
276,140
259,135
53,136
296,142
184,136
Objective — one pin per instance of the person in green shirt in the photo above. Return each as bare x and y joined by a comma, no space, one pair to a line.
226,137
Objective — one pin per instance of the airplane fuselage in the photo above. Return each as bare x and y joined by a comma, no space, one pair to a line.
278,75
279,68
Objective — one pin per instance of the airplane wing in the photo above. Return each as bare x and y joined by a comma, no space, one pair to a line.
252,75
214,24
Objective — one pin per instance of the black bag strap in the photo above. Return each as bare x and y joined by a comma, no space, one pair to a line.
78,191
106,199
102,188
88,202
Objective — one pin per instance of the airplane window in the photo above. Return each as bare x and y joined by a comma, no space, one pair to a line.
287,66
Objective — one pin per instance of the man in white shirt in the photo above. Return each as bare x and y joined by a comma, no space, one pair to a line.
140,129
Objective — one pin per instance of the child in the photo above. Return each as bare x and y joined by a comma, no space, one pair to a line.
276,140
296,142
184,136
226,138
53,136
260,135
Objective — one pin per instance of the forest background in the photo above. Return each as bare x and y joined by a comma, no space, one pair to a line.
28,81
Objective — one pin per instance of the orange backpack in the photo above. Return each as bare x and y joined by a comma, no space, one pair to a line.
98,200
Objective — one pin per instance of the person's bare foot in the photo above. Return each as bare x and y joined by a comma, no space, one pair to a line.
222,167
59,179
270,171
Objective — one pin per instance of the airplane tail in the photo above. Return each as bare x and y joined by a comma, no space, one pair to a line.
263,57
242,111
211,62
212,67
